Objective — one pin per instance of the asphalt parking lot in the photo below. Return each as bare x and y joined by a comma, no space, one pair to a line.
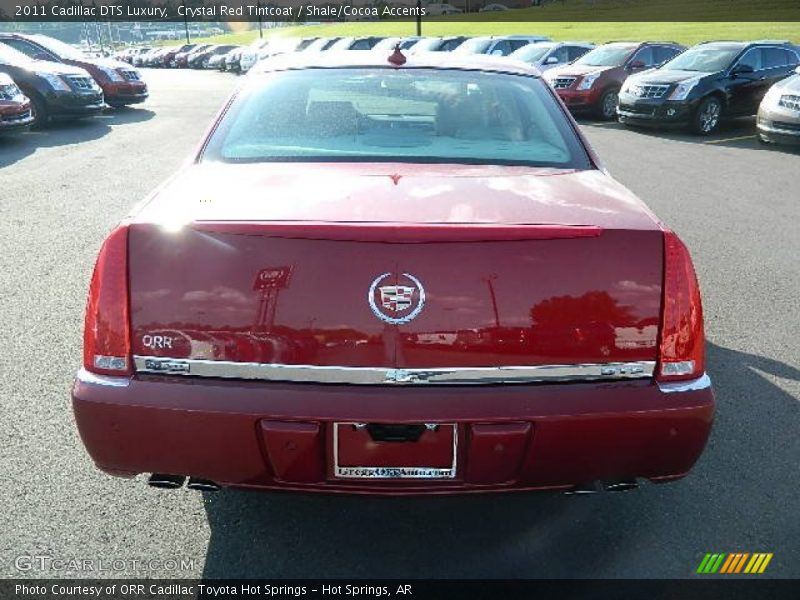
735,204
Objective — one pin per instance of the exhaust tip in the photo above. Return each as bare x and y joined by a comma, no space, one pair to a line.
583,489
621,486
202,485
165,482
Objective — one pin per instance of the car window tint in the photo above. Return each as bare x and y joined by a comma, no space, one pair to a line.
26,48
503,47
448,45
645,55
576,52
664,53
416,115
752,58
517,44
776,57
562,54
360,45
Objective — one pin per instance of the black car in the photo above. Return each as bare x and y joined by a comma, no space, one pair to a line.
56,90
709,82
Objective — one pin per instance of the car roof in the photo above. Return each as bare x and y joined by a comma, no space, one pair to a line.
357,59
725,44
742,44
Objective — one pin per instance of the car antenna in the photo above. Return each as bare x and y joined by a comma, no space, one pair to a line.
397,58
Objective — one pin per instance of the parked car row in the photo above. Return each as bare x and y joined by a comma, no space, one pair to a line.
240,59
664,84
42,78
655,83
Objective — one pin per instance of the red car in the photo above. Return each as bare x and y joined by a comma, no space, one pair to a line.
592,83
15,107
121,83
394,276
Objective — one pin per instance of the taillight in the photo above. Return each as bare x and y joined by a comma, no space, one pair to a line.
682,339
106,334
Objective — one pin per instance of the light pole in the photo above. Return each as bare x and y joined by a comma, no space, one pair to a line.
185,22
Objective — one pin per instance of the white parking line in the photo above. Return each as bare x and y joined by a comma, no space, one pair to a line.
731,139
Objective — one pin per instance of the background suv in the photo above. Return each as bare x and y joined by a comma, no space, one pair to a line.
779,113
592,82
706,83
15,107
55,89
121,83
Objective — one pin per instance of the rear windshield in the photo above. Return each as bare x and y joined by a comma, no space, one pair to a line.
397,115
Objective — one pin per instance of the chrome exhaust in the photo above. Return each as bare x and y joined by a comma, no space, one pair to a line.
166,482
583,489
202,485
621,486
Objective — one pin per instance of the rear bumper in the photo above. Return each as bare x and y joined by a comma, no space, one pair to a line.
280,436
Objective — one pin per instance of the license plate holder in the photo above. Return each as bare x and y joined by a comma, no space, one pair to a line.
357,456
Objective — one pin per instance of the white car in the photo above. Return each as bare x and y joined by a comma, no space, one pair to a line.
279,46
250,55
499,45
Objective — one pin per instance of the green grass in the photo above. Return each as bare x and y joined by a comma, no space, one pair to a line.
567,20
683,33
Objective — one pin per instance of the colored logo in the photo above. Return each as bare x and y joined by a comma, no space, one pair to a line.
734,562
396,297
399,303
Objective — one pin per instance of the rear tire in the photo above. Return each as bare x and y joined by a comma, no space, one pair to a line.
607,106
707,116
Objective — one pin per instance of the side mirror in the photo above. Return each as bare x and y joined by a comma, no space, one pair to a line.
497,53
636,65
742,69
551,60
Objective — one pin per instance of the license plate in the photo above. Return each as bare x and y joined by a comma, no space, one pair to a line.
358,456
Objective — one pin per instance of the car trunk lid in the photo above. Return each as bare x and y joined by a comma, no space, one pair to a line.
518,268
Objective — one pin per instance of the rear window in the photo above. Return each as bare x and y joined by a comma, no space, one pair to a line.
406,115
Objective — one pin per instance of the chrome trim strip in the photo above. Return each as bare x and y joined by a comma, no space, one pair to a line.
85,376
383,376
701,383
392,472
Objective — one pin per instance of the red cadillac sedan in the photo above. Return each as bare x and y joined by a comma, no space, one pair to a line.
394,276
